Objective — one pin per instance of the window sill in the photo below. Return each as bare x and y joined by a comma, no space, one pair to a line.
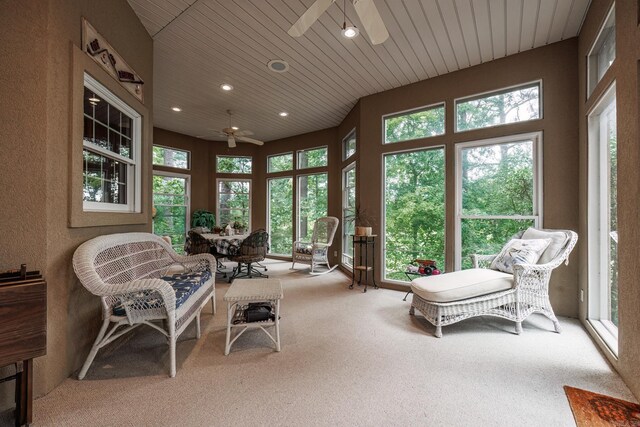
607,333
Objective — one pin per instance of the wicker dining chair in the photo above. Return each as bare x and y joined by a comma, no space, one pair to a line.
197,244
252,250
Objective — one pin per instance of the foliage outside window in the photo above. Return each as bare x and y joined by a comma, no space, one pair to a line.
348,212
111,146
603,219
498,108
233,164
280,220
171,208
171,157
234,202
349,145
312,158
280,163
603,52
414,209
414,124
312,202
499,193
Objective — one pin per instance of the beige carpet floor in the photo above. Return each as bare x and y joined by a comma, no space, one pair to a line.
348,358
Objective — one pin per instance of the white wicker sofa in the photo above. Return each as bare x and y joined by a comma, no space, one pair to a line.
452,297
141,280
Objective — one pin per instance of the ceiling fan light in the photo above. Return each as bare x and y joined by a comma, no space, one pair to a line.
283,114
350,32
176,109
235,127
226,87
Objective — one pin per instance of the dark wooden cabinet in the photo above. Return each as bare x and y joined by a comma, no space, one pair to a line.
23,336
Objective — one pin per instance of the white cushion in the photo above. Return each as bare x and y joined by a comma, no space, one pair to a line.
519,251
559,240
461,285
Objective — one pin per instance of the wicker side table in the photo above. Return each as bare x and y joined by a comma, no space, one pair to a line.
241,293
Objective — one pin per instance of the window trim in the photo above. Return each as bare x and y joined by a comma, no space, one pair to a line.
250,181
500,91
279,155
187,179
409,111
597,296
297,200
297,157
291,177
591,86
188,168
383,208
538,187
218,156
352,132
134,164
345,170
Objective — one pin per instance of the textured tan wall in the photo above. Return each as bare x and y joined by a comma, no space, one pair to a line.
556,65
625,71
37,40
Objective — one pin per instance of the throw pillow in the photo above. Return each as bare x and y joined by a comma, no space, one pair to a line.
519,251
559,240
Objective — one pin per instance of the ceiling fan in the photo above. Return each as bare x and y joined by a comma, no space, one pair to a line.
233,134
366,10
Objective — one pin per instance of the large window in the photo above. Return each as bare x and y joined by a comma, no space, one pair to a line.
603,219
312,202
170,157
498,108
498,193
280,211
233,164
349,145
111,151
348,212
171,207
234,202
280,163
603,52
414,124
312,158
414,209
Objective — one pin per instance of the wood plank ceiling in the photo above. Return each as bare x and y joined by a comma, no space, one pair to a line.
200,44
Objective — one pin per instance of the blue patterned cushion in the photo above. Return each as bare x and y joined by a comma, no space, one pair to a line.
183,284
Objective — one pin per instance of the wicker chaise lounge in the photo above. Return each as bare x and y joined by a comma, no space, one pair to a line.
481,291
141,280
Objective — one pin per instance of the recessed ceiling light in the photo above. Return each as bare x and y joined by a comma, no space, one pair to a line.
283,114
278,65
176,109
226,86
235,127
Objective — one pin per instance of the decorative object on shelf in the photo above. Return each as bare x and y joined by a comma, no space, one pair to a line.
238,227
363,221
203,218
362,244
98,48
425,267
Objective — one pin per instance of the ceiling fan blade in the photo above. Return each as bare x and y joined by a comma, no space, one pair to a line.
243,133
251,140
371,20
232,141
309,17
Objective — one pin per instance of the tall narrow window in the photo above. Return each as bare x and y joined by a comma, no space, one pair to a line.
280,210
603,219
603,52
234,202
498,193
312,202
414,209
111,151
171,207
349,145
348,212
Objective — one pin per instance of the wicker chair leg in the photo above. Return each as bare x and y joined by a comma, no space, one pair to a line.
172,355
213,303
557,326
198,324
94,349
518,328
412,311
438,333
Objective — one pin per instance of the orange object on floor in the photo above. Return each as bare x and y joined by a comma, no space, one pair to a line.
597,410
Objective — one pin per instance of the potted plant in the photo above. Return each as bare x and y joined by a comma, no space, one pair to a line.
238,226
362,220
203,218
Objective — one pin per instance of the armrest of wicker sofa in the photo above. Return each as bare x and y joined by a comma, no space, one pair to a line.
482,261
197,262
145,286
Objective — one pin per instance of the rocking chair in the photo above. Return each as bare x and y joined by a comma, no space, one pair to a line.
316,252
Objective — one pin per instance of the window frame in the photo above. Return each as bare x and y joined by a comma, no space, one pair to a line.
249,195
345,237
537,216
297,157
292,178
352,133
134,164
500,91
279,155
598,295
597,44
166,147
218,156
410,111
297,200
187,179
